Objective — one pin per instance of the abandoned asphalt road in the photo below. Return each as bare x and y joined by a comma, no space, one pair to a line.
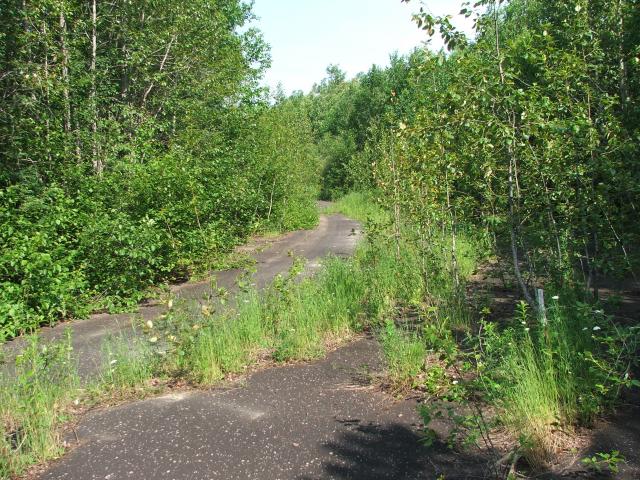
334,235
320,420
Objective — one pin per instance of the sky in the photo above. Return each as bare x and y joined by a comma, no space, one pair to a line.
306,36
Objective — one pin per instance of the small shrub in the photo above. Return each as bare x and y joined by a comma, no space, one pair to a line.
40,276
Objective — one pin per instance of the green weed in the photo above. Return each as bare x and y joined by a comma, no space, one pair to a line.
129,363
560,371
360,206
405,354
33,404
605,461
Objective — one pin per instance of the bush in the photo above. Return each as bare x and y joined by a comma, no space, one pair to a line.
121,257
99,241
40,275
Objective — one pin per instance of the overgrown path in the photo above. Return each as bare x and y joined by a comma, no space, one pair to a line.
310,421
335,234
324,419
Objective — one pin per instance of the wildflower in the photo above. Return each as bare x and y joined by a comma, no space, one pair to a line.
455,382
585,329
113,362
527,329
545,33
578,8
170,304
556,297
599,312
596,328
523,322
149,324
153,339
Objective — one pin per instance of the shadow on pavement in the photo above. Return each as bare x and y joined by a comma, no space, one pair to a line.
394,451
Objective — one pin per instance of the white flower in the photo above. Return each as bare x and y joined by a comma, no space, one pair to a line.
599,312
170,304
113,362
523,323
545,33
455,382
585,329
527,329
596,328
153,339
578,8
149,324
556,297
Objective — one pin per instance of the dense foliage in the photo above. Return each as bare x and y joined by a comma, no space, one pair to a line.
525,140
135,143
530,131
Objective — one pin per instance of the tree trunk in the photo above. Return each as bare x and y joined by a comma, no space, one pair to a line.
513,230
396,199
47,94
65,73
454,239
97,161
624,90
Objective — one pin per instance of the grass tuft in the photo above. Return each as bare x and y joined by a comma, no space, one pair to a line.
33,404
405,353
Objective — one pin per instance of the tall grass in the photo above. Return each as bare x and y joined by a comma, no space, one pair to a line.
225,343
129,363
292,320
560,372
382,287
546,374
33,404
405,352
360,206
323,307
